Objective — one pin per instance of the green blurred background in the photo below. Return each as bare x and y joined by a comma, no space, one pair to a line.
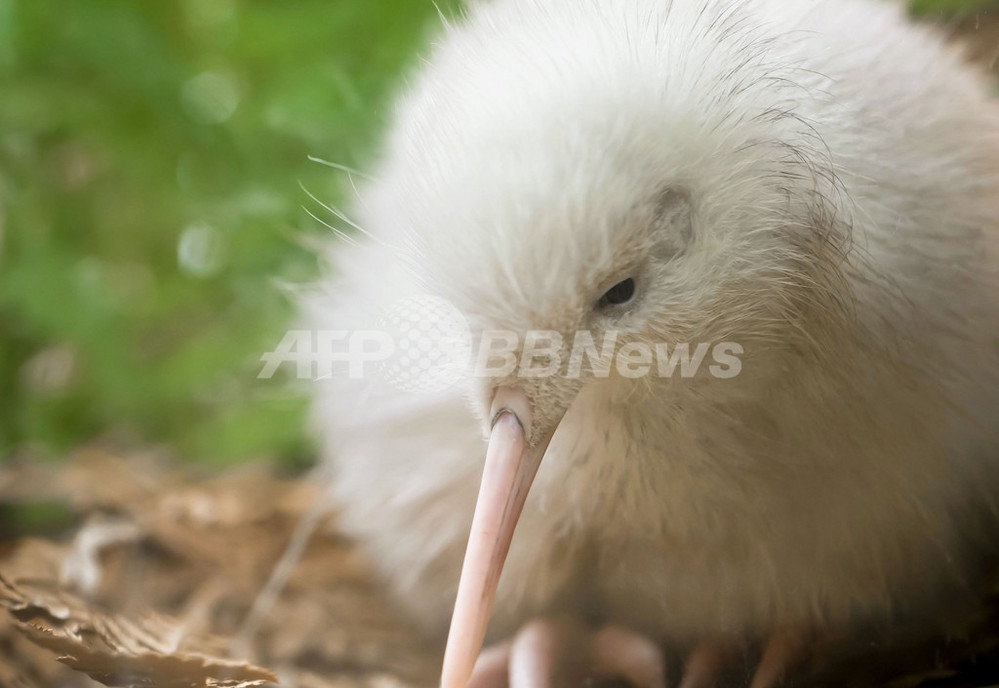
150,159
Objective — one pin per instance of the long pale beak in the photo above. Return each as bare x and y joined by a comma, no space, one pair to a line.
512,461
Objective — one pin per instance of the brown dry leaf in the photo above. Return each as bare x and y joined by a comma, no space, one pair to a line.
201,551
93,478
114,650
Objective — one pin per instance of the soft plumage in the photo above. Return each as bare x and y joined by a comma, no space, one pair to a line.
816,180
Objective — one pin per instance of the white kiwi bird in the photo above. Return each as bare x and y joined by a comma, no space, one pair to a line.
815,182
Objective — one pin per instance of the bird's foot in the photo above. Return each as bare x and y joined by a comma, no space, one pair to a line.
709,660
547,653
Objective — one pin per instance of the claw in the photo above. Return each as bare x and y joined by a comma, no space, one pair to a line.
492,669
617,651
539,650
549,652
706,664
782,653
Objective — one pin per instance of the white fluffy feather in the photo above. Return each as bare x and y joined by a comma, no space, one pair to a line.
841,173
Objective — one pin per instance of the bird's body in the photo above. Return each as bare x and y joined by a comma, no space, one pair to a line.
835,172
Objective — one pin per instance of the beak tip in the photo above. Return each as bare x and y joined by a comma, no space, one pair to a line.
512,460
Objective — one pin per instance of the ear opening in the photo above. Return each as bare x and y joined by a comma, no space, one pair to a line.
674,224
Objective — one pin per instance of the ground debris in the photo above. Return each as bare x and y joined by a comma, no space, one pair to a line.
115,650
151,585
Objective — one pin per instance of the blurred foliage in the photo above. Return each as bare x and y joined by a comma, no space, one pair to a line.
150,156
958,8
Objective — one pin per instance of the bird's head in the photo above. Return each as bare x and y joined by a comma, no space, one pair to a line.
552,180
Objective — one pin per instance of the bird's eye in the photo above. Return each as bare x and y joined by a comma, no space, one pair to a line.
620,294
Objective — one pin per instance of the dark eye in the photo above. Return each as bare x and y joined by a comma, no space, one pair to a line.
620,294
